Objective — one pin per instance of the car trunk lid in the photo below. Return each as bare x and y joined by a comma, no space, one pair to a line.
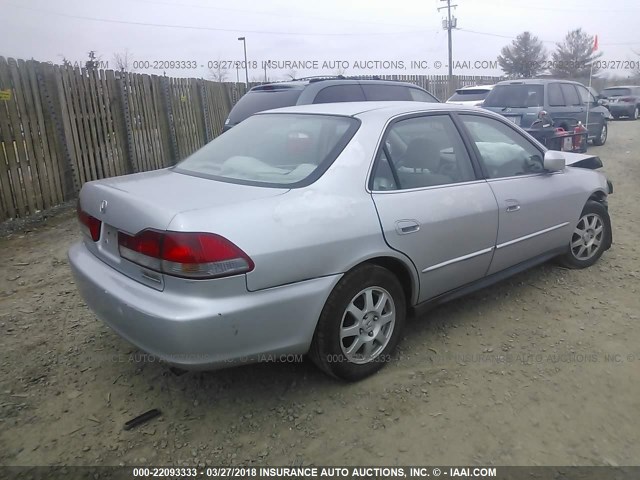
150,200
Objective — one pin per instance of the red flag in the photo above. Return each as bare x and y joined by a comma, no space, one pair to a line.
595,43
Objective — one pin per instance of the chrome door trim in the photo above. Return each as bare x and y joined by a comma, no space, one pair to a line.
458,259
531,235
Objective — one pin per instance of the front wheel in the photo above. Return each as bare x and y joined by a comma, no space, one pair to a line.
601,138
635,114
360,324
591,237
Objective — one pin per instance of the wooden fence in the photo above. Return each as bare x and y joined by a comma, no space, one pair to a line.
63,126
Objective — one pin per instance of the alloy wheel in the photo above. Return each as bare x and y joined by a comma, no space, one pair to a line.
367,325
587,236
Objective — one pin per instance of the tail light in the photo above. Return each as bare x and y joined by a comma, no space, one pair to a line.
626,99
90,225
185,254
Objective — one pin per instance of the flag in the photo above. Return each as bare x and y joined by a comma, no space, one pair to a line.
595,43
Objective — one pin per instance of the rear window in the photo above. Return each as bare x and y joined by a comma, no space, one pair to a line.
469,95
261,100
515,96
278,150
616,92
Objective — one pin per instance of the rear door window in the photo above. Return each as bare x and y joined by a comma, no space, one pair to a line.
340,93
418,95
570,94
386,92
555,95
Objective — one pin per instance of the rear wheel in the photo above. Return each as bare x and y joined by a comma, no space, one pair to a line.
601,138
360,324
636,113
590,237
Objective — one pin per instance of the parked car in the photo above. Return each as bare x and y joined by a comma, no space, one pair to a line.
318,228
623,101
472,96
566,103
322,90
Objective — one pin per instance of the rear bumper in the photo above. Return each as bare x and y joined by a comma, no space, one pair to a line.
621,108
199,331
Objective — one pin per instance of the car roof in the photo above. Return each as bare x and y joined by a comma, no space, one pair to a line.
386,108
622,86
304,82
535,81
476,87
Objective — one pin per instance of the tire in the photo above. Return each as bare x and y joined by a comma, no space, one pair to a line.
635,114
590,238
350,309
601,138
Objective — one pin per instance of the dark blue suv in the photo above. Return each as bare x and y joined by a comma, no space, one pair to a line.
524,102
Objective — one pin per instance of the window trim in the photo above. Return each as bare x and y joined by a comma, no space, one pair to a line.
476,153
478,173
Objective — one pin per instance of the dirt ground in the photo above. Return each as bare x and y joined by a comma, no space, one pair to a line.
542,369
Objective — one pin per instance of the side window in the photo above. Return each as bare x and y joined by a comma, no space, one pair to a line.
555,95
570,94
385,92
418,95
503,151
340,93
422,152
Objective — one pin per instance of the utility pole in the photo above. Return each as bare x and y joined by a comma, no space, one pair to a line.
449,24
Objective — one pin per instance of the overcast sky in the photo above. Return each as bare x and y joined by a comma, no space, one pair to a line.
393,31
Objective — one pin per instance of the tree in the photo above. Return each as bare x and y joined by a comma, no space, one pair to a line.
292,74
524,58
573,57
123,60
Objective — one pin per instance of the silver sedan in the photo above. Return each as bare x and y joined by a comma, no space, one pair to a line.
317,229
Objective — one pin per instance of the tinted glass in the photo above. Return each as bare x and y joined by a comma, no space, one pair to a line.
616,92
586,96
555,95
386,92
515,96
423,152
503,151
259,101
418,95
570,94
273,149
340,93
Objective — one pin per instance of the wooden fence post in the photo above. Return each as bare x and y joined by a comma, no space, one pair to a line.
168,111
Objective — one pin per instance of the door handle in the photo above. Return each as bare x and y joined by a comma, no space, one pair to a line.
513,208
404,227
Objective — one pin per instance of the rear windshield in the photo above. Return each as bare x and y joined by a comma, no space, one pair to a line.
616,92
278,150
261,100
515,96
469,95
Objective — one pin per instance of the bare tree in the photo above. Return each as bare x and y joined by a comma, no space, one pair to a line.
218,73
292,74
94,62
123,60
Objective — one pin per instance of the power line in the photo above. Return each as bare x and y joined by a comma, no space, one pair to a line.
195,27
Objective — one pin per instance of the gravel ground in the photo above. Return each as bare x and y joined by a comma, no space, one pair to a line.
542,369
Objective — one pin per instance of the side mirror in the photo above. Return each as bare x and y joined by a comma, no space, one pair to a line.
553,161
